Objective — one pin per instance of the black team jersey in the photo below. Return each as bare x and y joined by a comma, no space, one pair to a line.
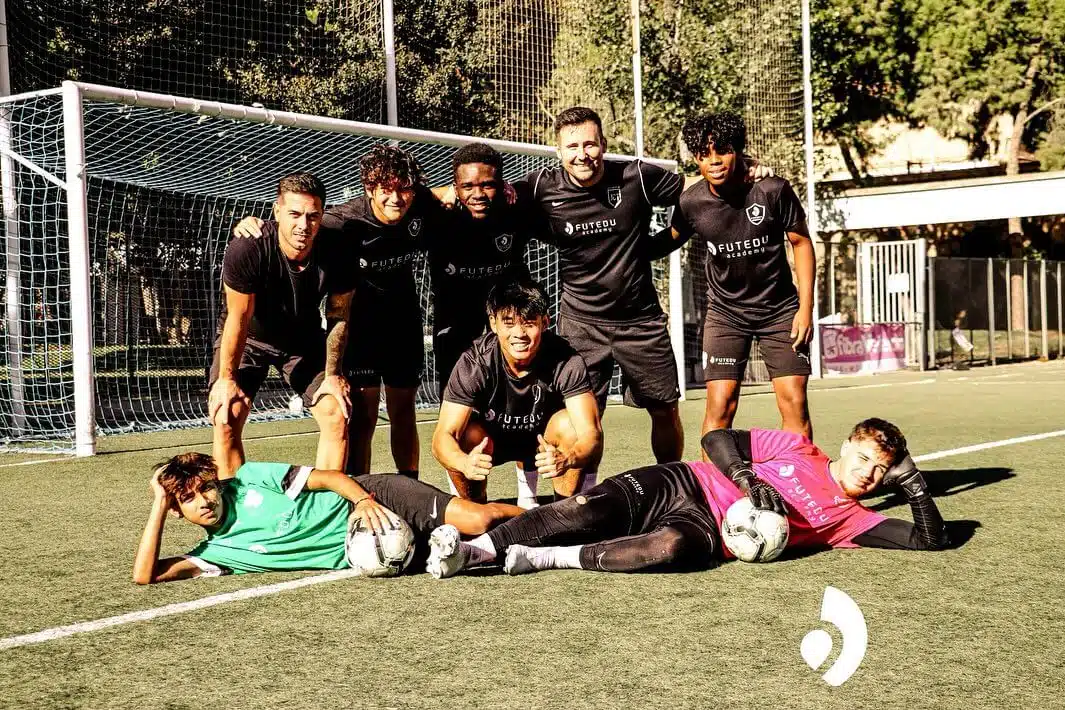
467,257
601,233
747,272
511,405
288,296
385,253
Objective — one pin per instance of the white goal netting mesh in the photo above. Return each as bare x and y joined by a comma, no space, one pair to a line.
164,190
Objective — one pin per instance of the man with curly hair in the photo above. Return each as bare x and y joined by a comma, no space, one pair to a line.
747,228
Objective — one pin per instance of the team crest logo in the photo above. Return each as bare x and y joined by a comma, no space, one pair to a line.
449,269
536,394
415,226
613,196
569,228
712,248
490,415
787,471
504,242
756,214
363,263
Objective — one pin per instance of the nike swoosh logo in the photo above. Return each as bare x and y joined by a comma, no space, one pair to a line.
556,204
432,514
371,240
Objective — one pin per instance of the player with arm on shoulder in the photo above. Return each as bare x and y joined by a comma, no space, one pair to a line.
747,228
668,517
385,228
263,517
270,316
520,393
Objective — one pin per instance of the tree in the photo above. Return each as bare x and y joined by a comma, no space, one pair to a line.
981,60
862,71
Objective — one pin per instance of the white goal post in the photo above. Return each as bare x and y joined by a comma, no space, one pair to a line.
121,203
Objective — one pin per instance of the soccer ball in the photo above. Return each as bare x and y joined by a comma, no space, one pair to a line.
754,535
384,555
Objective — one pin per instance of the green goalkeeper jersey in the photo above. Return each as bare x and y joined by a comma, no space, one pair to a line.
271,523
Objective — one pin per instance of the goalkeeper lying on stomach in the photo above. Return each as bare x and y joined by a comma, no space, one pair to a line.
668,517
267,517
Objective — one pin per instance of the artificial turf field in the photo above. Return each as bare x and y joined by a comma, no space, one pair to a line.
978,626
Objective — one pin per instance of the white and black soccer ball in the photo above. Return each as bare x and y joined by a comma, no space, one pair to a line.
754,535
384,555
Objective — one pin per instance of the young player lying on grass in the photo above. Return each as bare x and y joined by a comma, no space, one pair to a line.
668,517
269,517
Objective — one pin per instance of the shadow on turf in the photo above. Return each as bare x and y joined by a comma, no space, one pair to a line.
950,482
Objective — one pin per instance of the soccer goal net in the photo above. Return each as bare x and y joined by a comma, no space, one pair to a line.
117,209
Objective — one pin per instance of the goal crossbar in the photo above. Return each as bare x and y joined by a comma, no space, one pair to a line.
86,231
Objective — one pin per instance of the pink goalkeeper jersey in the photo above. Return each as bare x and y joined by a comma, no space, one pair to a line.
819,512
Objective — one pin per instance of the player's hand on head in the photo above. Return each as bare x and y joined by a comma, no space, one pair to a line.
376,517
801,329
478,462
339,388
249,227
157,488
905,476
223,393
550,462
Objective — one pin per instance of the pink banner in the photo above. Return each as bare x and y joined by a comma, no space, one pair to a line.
850,349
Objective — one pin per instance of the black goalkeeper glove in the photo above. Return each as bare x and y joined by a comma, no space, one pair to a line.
905,476
763,495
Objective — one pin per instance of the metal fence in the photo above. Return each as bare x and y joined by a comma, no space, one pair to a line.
986,311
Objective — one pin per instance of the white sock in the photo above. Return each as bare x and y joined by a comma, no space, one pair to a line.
589,480
481,550
542,558
568,557
527,484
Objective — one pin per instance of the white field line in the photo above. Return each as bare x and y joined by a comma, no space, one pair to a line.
988,445
252,592
170,609
845,388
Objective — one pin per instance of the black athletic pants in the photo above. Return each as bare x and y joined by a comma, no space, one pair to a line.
651,518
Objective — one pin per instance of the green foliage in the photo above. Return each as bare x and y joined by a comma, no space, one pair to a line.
978,59
1051,152
862,68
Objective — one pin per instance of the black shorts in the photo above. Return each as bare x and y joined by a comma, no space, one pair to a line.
303,372
418,503
643,350
727,347
450,340
663,495
385,348
520,446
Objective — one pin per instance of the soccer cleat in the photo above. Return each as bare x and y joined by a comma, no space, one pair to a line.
447,554
522,559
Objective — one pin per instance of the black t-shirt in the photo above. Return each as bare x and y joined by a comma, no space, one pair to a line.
467,257
385,253
288,296
512,405
601,234
747,272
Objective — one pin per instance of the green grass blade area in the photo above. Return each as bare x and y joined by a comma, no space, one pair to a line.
976,627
